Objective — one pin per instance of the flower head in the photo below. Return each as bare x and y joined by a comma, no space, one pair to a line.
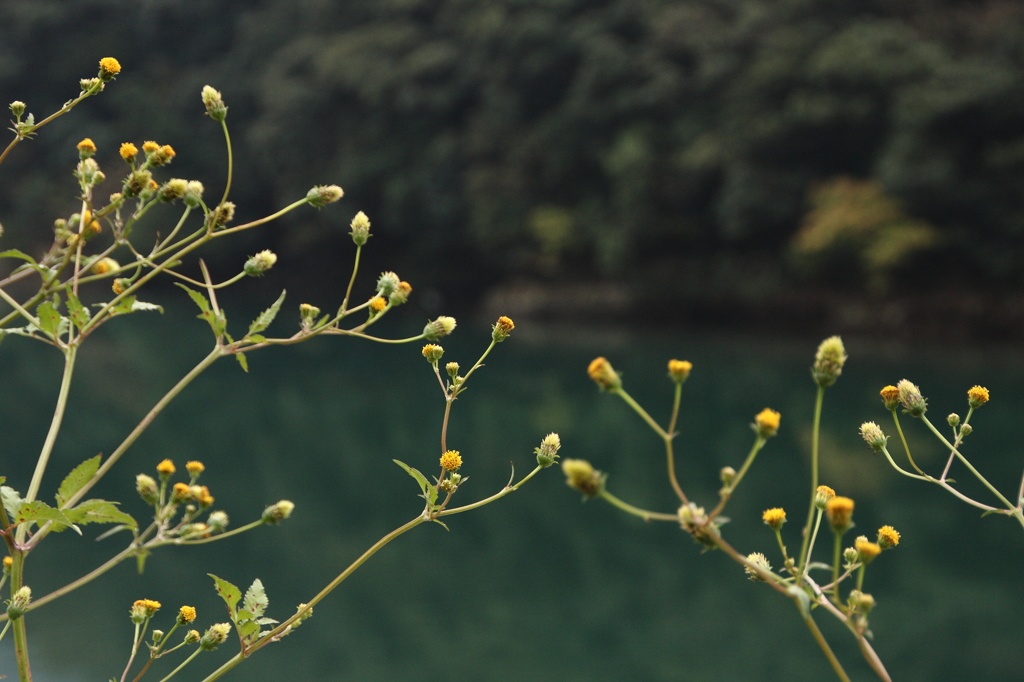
547,453
829,361
840,513
105,265
323,195
766,423
215,636
214,103
360,229
582,476
888,537
378,304
181,492
442,326
977,396
166,468
872,434
279,511
432,352
401,293
867,550
822,495
601,371
910,398
195,468
451,460
186,614
86,148
109,67
679,370
260,263
774,518
8,562
128,151
150,146
502,328
143,609
759,560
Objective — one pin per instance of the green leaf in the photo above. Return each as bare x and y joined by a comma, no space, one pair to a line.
78,477
420,478
441,523
256,601
142,305
99,511
40,512
267,621
228,592
248,628
242,361
11,499
219,323
267,316
3,479
256,338
124,305
803,601
49,318
77,312
200,300
14,253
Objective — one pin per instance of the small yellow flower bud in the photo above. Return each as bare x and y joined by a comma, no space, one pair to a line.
822,495
766,423
109,67
17,108
215,636
888,537
89,83
137,183
8,562
547,453
308,313
278,512
86,148
186,614
192,636
195,468
260,263
181,492
679,370
579,474
829,361
150,146
166,468
20,600
977,396
162,155
867,550
759,560
910,398
360,229
502,328
601,372
872,434
432,352
378,304
214,103
850,557
174,188
143,609
453,369
727,475
120,285
890,397
774,518
953,419
401,293
222,215
147,489
442,326
105,265
861,601
203,497
322,195
128,151
840,513
451,460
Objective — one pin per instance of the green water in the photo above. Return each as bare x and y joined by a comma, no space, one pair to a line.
536,586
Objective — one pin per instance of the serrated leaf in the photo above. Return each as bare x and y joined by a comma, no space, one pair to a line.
77,312
220,324
99,511
267,621
11,499
420,478
244,615
256,601
124,305
228,592
242,361
78,477
40,512
199,299
49,318
267,316
247,628
142,305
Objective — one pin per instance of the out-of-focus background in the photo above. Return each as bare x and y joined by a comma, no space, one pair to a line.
850,165
725,182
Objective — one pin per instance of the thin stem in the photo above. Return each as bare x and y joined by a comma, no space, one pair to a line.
669,451
55,424
20,636
220,536
636,511
167,240
727,492
351,282
906,448
826,649
815,433
184,663
963,459
444,423
17,306
640,411
814,536
231,162
8,625
497,496
860,577
135,648
782,547
88,577
835,568
475,367
895,466
273,216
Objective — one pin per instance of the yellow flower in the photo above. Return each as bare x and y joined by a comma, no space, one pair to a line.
181,492
87,146
195,467
105,265
8,562
679,370
888,537
840,513
582,476
143,609
977,396
890,396
767,422
822,495
451,460
128,151
109,65
186,614
868,550
166,467
378,304
502,328
774,518
432,352
204,497
600,370
149,146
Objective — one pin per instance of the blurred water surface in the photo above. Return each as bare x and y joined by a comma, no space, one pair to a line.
538,585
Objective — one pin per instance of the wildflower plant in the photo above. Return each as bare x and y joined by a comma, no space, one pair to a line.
96,270
839,592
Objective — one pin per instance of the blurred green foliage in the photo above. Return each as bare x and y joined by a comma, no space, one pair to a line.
591,138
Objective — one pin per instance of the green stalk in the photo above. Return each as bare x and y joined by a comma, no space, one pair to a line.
636,511
351,282
55,424
974,471
835,568
814,484
184,663
640,411
727,492
20,637
903,438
